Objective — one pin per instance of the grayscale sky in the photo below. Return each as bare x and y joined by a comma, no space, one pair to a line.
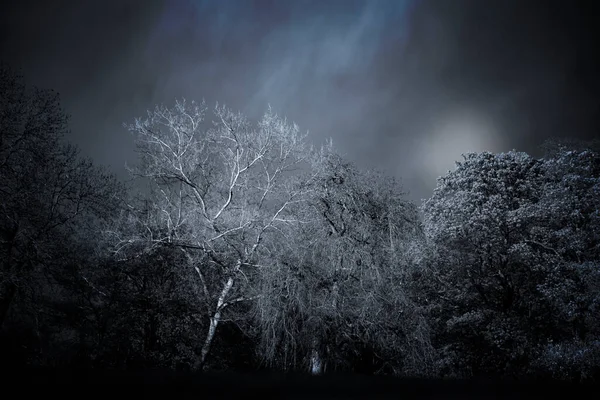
404,85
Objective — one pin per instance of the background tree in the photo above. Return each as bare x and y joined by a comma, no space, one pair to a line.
50,198
569,224
502,272
340,295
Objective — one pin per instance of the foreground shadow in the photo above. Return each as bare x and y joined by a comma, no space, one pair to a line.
283,386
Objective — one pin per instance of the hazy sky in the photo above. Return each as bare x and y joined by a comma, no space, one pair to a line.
405,85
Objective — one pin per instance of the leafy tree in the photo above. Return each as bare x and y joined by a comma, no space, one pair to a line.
509,235
570,226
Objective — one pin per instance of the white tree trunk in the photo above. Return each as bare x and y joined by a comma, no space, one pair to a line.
316,366
316,363
214,322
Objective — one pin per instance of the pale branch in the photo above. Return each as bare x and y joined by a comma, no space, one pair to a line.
240,299
154,139
544,247
234,229
204,287
94,287
234,178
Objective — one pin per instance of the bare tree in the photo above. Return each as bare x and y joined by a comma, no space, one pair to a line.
219,194
342,288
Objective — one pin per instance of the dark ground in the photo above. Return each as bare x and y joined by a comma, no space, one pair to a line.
262,385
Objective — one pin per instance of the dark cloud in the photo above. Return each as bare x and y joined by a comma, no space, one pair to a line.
403,85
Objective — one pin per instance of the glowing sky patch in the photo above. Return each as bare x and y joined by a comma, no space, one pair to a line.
458,132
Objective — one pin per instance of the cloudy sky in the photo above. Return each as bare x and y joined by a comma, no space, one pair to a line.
404,85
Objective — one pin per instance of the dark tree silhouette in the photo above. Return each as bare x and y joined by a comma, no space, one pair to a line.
50,197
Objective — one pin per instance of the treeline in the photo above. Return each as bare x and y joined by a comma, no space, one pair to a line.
240,247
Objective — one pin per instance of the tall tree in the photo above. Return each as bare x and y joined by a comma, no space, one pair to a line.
219,194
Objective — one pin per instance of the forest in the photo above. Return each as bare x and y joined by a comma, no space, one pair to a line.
241,246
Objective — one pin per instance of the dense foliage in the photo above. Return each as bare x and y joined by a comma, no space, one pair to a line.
514,240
